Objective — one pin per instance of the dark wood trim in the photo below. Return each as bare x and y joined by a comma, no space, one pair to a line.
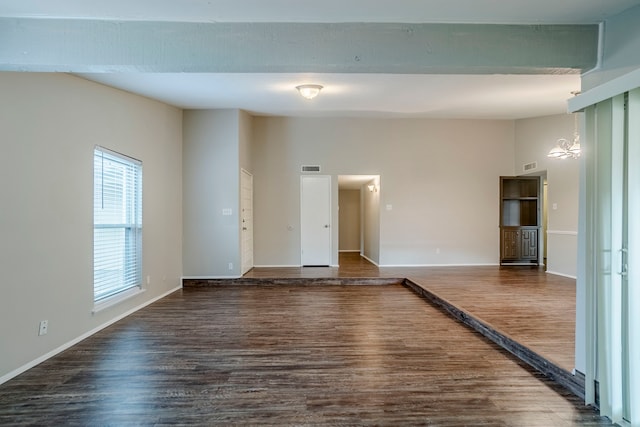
300,281
573,383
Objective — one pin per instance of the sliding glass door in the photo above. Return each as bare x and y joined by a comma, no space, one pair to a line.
631,293
612,154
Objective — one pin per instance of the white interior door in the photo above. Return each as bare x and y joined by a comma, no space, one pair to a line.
246,207
315,220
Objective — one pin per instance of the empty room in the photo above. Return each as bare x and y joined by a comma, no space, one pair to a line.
400,213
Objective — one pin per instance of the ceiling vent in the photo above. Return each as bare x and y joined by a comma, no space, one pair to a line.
310,168
530,166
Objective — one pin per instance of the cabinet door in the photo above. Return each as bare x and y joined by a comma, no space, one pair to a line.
529,244
509,244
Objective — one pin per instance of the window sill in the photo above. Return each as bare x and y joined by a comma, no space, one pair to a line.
116,299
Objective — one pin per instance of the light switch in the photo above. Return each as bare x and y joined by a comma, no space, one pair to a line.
227,211
554,206
389,207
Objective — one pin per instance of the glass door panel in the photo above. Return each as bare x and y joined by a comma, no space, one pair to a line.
631,263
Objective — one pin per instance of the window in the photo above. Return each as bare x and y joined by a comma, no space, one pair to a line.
117,223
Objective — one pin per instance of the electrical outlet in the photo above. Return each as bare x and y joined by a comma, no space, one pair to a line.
44,325
148,280
230,266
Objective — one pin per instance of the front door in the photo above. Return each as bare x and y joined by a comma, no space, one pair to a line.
315,220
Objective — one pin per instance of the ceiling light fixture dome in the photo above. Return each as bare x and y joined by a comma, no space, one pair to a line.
309,91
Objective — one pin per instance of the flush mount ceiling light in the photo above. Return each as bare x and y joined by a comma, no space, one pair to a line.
309,91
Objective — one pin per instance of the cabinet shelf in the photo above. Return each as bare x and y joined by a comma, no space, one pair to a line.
519,219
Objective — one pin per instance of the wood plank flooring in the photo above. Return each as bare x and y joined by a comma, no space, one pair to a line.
533,308
526,304
288,355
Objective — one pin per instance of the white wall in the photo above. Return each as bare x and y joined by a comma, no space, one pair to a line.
211,155
439,176
534,138
349,220
244,139
49,124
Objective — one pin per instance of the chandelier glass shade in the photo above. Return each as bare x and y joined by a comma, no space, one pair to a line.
565,149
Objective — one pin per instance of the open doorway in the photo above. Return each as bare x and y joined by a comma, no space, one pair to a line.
359,216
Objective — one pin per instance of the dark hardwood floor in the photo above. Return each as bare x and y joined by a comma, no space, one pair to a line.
524,303
288,355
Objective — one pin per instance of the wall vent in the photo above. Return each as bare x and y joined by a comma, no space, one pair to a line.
310,168
530,166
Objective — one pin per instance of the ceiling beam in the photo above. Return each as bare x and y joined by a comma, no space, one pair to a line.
65,45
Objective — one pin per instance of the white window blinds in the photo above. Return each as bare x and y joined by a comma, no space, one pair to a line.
117,223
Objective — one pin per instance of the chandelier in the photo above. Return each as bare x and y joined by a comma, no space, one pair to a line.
566,149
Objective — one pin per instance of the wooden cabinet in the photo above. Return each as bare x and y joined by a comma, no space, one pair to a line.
519,244
519,220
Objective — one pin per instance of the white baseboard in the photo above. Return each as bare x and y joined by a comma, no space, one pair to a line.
439,265
561,274
277,266
349,250
75,341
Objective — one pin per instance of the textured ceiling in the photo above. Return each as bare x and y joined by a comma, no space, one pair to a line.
372,95
463,11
